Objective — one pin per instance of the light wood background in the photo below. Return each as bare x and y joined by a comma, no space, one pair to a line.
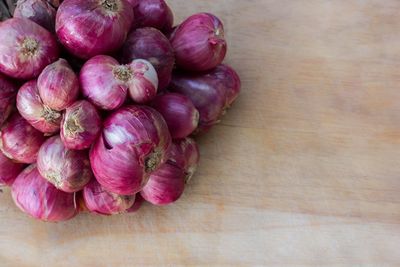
303,171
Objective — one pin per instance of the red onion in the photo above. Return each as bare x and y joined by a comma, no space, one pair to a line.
25,48
152,13
31,107
19,140
40,199
137,205
165,185
92,27
99,200
80,126
179,112
68,170
199,42
105,82
7,97
230,81
9,170
152,45
58,85
185,154
206,93
39,11
134,143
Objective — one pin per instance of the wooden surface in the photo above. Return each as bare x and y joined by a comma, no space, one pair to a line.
303,171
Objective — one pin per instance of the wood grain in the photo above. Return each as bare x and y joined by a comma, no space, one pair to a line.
303,170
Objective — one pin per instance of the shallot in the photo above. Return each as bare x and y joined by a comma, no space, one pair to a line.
40,199
9,170
68,170
39,11
152,13
8,90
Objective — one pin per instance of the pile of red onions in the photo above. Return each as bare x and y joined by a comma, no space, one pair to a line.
111,124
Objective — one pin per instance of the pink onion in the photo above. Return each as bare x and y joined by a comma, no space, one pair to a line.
134,143
92,27
40,199
230,81
25,48
152,45
31,107
8,90
99,200
9,170
58,85
68,170
165,185
199,42
206,93
185,154
179,112
39,11
80,126
152,13
105,82
19,140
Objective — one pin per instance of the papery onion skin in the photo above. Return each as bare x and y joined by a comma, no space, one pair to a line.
9,170
25,48
58,85
185,154
68,170
180,114
199,42
99,200
19,140
99,84
8,91
134,142
150,44
153,13
106,83
92,27
206,93
165,185
40,199
80,126
39,11
31,107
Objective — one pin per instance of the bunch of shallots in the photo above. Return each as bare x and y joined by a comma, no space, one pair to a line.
100,100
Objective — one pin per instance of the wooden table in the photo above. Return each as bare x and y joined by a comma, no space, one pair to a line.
303,170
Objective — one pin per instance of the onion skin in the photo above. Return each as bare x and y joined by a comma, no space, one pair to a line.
106,83
206,93
180,114
39,11
153,13
81,125
185,154
199,43
91,27
58,85
9,170
230,81
150,44
134,143
165,185
31,107
137,204
99,200
40,199
8,91
19,141
68,170
26,48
